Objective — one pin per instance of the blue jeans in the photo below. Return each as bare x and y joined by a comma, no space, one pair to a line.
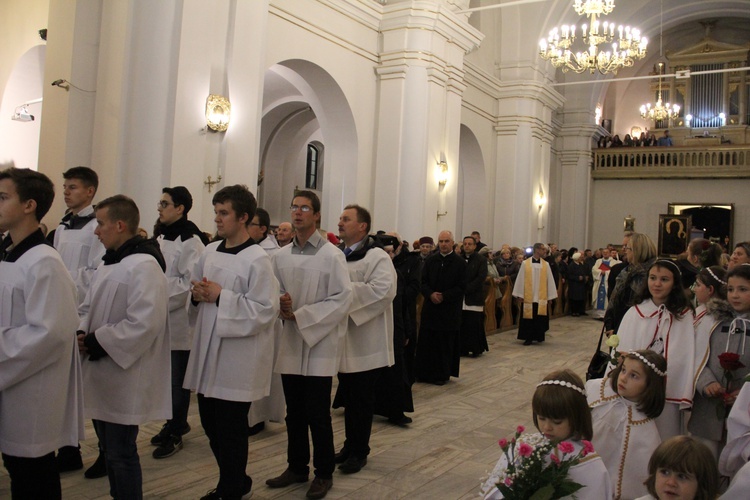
180,396
123,465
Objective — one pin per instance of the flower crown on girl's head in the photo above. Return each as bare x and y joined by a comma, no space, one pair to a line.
715,277
648,363
564,384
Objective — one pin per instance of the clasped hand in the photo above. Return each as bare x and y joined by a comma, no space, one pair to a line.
205,291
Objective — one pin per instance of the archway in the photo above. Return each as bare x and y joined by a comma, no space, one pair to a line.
303,104
19,140
471,210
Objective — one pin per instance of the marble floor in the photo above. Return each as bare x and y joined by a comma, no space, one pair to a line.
444,454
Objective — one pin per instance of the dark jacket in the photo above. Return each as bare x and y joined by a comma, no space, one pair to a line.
577,281
476,274
447,275
629,282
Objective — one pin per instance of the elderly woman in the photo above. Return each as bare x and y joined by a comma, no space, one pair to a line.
578,275
640,252
507,266
741,255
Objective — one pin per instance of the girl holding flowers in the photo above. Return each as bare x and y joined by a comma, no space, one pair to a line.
560,459
721,356
623,408
662,321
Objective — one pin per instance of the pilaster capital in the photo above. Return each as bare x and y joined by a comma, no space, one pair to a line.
537,91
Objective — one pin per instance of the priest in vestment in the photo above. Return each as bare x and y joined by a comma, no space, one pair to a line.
535,286
600,273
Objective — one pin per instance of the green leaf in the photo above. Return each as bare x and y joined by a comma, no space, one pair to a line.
543,493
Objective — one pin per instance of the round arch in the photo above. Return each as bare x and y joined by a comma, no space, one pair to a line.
471,209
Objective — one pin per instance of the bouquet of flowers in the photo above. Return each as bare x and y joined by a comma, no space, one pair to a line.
729,362
537,468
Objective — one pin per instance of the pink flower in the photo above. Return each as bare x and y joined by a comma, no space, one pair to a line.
503,444
508,481
520,429
565,447
525,450
554,458
587,448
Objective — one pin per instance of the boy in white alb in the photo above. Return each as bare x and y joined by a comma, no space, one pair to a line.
237,298
40,379
181,243
124,337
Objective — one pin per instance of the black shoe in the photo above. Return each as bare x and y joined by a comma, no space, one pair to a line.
527,342
256,429
247,492
168,448
341,456
286,478
353,465
99,469
69,458
166,432
401,421
440,382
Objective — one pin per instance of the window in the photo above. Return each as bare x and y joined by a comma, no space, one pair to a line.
311,171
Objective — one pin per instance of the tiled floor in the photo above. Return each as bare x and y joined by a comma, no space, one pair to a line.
444,454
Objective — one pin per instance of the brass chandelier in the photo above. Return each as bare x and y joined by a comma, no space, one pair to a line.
660,111
627,44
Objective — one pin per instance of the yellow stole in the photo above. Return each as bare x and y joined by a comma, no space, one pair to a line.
528,290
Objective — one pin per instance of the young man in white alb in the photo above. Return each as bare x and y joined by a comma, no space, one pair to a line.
40,379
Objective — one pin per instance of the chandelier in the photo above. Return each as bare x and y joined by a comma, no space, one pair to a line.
627,44
660,111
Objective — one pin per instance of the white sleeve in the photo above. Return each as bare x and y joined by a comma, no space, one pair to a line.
375,293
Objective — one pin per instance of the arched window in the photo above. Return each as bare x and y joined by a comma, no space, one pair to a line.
311,171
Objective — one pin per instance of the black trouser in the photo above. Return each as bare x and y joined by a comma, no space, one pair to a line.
118,442
33,478
308,405
180,396
358,391
225,424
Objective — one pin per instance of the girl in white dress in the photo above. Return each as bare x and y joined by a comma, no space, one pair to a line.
561,413
623,408
662,321
684,468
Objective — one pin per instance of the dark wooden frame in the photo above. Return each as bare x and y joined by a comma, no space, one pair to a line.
674,234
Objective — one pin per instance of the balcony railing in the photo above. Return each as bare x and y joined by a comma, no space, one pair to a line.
672,162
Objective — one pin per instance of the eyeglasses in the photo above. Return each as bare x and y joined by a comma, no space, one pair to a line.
626,248
302,208
163,204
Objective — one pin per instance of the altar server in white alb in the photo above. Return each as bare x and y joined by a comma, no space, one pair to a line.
368,345
40,379
74,238
124,337
237,298
181,243
316,294
270,408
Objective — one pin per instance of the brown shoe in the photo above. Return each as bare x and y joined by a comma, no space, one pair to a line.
319,488
285,479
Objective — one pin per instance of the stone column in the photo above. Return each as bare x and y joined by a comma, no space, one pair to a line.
421,84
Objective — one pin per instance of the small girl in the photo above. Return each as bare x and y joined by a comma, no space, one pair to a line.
561,413
623,408
722,329
662,321
682,467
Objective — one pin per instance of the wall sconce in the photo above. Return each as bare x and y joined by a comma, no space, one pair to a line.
635,132
442,173
218,109
540,199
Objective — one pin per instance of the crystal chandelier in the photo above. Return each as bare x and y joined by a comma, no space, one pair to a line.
660,111
627,43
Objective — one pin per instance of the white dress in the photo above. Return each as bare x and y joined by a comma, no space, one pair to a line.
590,472
41,394
126,307
624,437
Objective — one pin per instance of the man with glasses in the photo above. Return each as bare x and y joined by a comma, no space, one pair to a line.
258,230
316,294
182,244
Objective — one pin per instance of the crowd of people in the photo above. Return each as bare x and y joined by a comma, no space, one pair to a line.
100,321
646,139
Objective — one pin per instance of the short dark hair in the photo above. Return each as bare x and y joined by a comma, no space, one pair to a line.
314,200
32,185
688,455
122,208
85,174
264,219
180,196
537,246
654,396
676,301
561,402
241,199
475,232
740,271
362,215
